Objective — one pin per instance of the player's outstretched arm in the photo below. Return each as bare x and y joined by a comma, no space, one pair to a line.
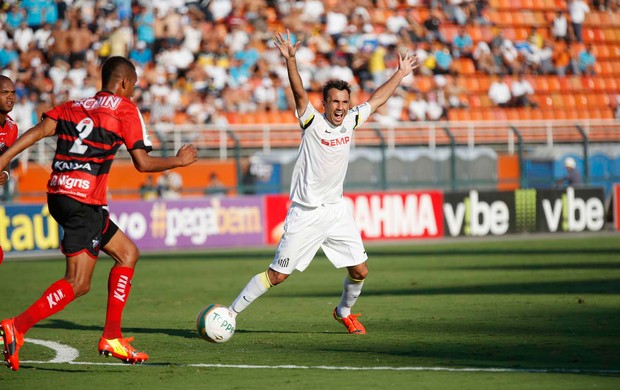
143,162
45,128
288,51
381,95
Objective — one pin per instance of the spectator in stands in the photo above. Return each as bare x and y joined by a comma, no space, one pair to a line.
148,189
561,57
521,91
431,26
462,45
586,60
80,39
22,36
215,186
455,93
443,59
499,92
510,56
572,178
559,26
418,108
436,110
169,185
60,45
483,59
578,9
141,55
265,96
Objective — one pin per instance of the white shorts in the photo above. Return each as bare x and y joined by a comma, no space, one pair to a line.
330,227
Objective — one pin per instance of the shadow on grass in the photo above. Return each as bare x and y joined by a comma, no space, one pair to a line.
541,267
68,325
594,286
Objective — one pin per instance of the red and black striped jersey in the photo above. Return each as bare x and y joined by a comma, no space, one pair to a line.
90,131
8,134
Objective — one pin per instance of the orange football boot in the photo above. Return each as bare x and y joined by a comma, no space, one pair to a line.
13,341
351,323
121,349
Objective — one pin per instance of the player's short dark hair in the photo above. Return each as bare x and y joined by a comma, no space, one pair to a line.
340,85
116,67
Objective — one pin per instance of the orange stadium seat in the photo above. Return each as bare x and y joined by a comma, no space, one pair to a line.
540,83
499,114
471,84
594,113
529,18
593,19
474,101
465,66
536,114
581,101
570,101
548,114
610,84
607,113
487,114
424,83
476,115
527,4
524,114
485,82
449,31
554,84
564,84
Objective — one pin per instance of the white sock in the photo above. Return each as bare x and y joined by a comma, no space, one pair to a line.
256,287
352,290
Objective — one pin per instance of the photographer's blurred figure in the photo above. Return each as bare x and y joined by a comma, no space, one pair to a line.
572,178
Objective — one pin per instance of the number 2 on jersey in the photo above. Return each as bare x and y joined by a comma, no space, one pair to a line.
84,128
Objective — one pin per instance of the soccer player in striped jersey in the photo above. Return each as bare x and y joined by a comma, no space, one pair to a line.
318,215
90,132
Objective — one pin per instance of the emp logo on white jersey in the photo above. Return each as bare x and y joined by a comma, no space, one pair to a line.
336,142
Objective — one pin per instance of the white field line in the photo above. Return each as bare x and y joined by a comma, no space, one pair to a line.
67,355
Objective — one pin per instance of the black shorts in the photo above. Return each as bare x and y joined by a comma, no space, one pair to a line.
86,227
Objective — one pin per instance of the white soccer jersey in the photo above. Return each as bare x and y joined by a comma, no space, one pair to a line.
323,156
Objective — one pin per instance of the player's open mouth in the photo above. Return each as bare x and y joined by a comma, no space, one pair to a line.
338,115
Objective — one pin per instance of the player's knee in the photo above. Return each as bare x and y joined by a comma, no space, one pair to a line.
276,277
359,272
129,256
80,287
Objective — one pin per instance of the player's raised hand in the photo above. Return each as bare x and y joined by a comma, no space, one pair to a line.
188,154
285,45
408,63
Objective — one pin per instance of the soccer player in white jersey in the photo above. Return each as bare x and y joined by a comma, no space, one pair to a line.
318,215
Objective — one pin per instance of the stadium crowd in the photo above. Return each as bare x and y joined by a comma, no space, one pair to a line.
199,60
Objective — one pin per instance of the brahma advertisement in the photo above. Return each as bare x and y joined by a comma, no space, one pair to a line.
379,216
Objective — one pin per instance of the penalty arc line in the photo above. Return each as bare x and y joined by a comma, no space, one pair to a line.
67,355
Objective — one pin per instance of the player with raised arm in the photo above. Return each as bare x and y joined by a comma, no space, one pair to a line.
8,129
90,132
318,215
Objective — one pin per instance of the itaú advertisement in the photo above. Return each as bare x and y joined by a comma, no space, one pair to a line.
191,223
379,216
27,228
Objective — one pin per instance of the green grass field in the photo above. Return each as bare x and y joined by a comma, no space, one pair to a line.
503,314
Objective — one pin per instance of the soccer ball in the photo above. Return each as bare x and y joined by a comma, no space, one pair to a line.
215,323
